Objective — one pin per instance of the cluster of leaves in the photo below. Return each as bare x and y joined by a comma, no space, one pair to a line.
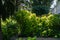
9,28
45,26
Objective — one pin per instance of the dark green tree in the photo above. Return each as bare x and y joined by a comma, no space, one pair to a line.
37,6
41,6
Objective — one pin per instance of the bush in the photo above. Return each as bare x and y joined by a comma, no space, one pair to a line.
28,21
27,24
9,28
31,25
54,24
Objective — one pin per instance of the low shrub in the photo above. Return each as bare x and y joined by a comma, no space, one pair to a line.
9,28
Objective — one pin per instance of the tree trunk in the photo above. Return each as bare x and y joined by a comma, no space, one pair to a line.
1,36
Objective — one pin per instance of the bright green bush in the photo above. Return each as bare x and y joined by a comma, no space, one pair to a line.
31,25
54,24
28,24
51,25
28,21
9,28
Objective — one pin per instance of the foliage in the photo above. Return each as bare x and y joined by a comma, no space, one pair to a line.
28,22
54,24
8,7
9,28
41,6
31,25
38,7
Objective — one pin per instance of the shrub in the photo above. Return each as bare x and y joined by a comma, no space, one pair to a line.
28,21
54,24
46,26
9,28
28,24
